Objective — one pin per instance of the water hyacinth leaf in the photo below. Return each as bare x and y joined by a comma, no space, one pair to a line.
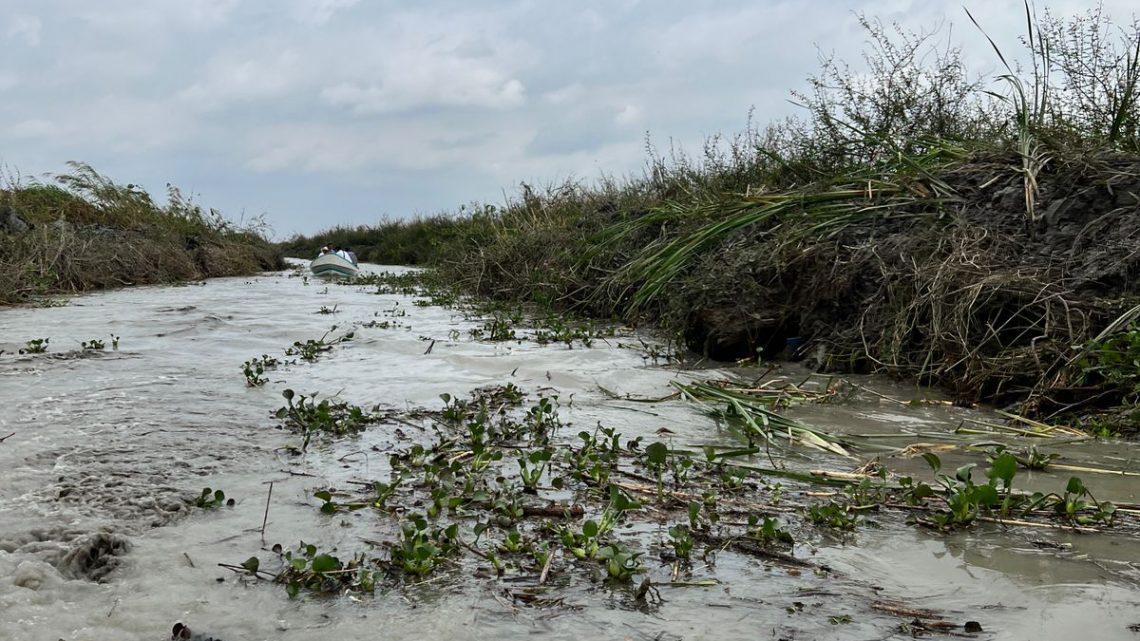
657,453
251,564
590,529
986,495
933,461
325,563
922,491
1076,486
964,473
1004,468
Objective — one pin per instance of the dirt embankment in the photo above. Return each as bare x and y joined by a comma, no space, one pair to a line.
90,233
938,276
975,295
64,258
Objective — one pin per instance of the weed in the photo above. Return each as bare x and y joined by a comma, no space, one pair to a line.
681,540
768,530
311,349
621,563
210,499
35,346
93,345
531,467
322,573
255,369
308,416
421,550
834,515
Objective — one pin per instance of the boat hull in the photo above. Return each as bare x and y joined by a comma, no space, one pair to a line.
333,266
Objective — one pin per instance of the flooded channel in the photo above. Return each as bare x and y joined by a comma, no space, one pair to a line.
105,451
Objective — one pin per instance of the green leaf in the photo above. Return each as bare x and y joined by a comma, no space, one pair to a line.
1076,486
986,495
963,473
323,495
933,461
1004,468
251,564
325,563
922,491
657,453
590,529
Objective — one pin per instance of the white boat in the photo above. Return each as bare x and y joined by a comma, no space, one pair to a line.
330,265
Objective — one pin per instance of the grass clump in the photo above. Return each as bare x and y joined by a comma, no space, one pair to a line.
82,231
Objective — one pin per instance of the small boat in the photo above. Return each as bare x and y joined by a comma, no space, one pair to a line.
330,265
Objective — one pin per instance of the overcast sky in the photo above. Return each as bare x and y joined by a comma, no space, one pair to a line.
323,112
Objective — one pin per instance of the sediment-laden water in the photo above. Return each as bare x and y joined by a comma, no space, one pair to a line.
107,450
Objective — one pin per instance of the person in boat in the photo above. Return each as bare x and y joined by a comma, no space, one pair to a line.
351,255
324,250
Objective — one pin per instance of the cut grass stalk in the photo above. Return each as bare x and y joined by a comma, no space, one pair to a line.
758,419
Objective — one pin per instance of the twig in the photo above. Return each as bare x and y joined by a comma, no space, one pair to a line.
7,437
191,561
256,573
264,519
546,567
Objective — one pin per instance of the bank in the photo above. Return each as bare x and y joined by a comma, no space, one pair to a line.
83,232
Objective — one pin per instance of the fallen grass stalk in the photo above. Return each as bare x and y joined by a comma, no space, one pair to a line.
758,419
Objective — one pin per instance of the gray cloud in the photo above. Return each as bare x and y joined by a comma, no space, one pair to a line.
340,111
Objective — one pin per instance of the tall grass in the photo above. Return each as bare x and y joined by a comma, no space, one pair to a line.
89,232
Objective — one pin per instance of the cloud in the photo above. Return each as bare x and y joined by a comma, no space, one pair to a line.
26,28
8,80
33,129
629,115
318,12
237,77
341,147
453,88
419,61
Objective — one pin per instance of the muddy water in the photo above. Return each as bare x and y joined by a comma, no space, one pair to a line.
97,542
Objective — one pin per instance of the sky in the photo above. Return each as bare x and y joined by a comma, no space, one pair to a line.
317,113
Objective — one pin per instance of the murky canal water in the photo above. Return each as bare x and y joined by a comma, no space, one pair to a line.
97,541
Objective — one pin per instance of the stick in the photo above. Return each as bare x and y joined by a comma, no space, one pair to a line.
189,560
7,437
264,519
546,566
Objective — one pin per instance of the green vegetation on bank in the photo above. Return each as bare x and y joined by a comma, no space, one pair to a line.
970,232
84,232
